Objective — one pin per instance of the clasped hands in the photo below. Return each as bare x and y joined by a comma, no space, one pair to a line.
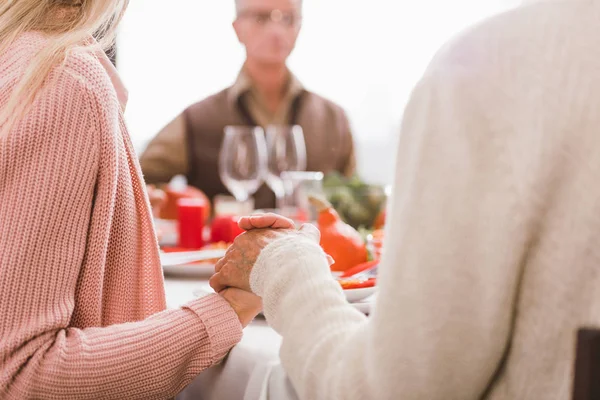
232,273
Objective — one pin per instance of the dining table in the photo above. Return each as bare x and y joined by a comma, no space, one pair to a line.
250,371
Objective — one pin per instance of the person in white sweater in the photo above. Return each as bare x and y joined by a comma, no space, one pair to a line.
492,250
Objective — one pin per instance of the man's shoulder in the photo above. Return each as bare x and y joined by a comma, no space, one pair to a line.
318,103
210,104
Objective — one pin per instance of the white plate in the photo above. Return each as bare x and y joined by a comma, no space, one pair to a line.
190,270
189,264
188,257
166,231
365,305
356,295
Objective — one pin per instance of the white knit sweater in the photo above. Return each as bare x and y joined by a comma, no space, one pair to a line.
492,252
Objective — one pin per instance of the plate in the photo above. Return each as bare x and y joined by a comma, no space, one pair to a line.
166,230
196,270
190,264
365,305
357,295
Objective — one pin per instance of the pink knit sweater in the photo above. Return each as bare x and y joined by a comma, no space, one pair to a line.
82,303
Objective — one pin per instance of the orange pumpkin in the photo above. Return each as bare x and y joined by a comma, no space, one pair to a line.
380,221
338,239
168,210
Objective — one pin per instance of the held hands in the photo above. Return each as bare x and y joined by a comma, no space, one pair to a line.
232,273
245,304
234,269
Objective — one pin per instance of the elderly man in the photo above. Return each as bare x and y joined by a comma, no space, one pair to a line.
265,93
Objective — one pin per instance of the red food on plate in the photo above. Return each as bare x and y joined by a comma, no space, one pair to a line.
358,284
360,268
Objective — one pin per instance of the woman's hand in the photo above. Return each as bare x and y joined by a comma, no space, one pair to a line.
245,304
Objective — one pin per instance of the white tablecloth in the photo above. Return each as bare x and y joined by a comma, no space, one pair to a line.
252,369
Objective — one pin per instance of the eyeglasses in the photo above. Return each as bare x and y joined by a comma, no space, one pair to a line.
262,18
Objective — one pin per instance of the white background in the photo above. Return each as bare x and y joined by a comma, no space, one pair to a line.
366,55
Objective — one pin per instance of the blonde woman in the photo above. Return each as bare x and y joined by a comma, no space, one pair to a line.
82,309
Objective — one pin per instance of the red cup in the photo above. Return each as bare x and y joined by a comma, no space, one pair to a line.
191,222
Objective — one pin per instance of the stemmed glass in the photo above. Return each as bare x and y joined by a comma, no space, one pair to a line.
286,152
243,160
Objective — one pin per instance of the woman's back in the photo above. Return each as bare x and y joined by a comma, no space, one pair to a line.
521,95
547,105
70,192
83,313
74,132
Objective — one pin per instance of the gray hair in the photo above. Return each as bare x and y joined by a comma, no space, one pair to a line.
238,4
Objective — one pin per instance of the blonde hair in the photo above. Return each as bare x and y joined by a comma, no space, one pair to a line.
68,24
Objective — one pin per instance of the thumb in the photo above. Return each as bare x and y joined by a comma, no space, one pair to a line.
311,232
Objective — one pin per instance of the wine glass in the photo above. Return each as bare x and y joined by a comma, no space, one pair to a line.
303,185
242,161
287,152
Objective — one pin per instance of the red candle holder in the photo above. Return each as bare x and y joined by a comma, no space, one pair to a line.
191,222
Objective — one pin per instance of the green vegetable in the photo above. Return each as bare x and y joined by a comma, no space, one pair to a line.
357,202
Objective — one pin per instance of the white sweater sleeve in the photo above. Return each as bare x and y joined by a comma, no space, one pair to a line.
454,246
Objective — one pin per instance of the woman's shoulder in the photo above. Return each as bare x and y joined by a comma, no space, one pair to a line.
517,37
83,64
81,70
